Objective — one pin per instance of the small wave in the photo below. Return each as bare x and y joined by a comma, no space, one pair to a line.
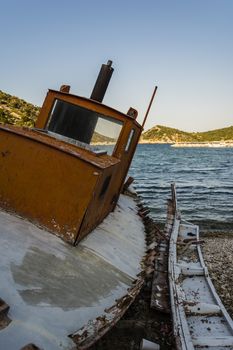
203,178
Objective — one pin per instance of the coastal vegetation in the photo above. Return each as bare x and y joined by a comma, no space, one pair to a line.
16,111
164,134
98,138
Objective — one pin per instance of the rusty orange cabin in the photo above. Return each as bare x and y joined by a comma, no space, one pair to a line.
66,174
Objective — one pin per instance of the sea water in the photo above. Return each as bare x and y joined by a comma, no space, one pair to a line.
203,177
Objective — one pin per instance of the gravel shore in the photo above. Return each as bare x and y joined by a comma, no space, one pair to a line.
140,321
218,255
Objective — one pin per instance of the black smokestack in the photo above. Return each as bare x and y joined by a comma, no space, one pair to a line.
102,82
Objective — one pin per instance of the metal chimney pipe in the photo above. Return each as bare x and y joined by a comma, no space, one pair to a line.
102,82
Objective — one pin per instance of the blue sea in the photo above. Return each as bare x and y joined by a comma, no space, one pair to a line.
203,177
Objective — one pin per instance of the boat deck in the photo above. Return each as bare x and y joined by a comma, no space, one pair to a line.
54,289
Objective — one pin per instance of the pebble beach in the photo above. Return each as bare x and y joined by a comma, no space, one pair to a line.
218,255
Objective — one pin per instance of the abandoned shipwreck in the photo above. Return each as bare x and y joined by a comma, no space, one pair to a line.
74,251
66,289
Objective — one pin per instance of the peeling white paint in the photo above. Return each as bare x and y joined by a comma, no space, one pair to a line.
199,318
53,288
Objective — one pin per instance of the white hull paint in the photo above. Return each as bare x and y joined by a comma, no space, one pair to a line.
200,320
54,289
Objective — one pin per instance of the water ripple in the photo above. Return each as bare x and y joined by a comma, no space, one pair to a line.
203,178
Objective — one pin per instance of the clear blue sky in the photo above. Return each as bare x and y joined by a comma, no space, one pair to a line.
183,46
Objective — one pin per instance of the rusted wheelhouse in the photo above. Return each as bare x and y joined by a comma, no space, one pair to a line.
67,173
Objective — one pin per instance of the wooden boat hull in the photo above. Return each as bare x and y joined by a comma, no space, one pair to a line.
200,320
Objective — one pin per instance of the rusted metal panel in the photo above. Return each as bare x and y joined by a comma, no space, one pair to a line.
89,182
125,156
101,162
107,202
103,201
100,205
45,185
33,159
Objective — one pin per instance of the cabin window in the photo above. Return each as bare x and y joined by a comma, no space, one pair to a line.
88,127
130,139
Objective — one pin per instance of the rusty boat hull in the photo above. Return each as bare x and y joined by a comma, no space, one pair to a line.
72,246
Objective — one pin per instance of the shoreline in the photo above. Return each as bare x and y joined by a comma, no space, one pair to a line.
214,144
217,252
206,226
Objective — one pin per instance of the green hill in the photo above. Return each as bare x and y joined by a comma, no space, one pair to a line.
216,135
14,110
98,138
165,134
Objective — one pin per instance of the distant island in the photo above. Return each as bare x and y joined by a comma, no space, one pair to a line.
164,134
14,110
101,139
